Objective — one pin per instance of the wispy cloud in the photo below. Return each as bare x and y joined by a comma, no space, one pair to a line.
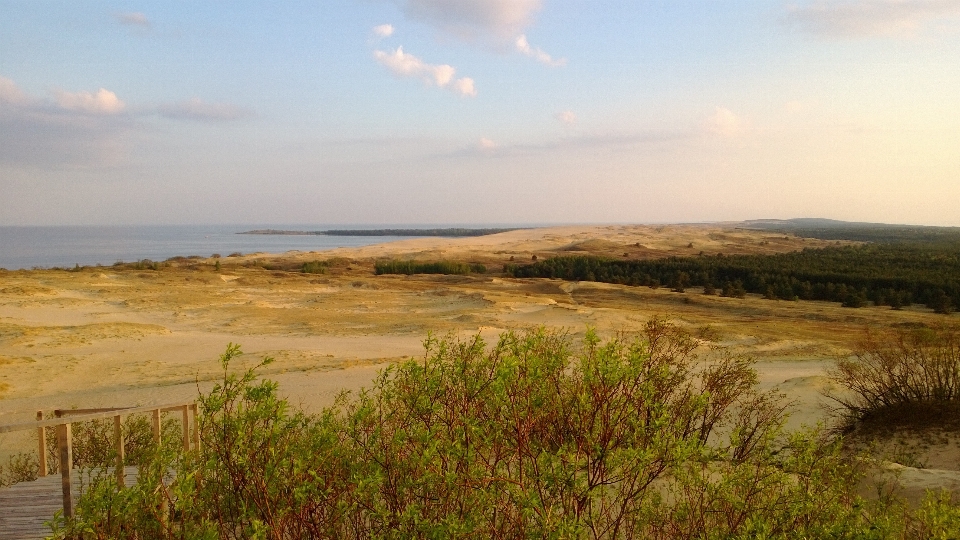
133,19
101,102
442,75
383,30
198,110
523,46
725,122
470,19
567,118
868,18
10,93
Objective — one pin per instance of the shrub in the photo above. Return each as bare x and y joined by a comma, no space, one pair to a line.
315,267
901,374
531,438
414,267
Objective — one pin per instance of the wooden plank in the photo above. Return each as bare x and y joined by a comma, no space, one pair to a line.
25,507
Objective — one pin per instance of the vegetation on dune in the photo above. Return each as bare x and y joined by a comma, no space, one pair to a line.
909,376
896,275
531,438
416,267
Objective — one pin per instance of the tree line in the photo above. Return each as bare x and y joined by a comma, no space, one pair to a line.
894,274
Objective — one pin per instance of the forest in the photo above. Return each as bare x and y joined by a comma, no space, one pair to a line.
892,273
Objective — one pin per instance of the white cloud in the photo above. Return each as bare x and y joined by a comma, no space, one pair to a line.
195,109
133,19
868,18
442,75
465,87
725,123
566,117
103,102
383,30
523,46
469,19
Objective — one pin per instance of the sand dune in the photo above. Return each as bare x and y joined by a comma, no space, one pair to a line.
113,337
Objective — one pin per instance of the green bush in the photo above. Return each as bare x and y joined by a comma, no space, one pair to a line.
530,438
315,267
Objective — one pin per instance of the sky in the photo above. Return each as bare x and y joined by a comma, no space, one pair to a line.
478,111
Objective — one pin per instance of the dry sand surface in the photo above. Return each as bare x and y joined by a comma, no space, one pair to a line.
112,336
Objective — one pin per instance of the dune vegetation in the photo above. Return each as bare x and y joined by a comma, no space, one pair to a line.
533,437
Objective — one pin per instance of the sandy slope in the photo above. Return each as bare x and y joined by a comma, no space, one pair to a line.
112,337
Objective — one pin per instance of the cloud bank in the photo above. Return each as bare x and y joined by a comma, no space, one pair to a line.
404,64
868,18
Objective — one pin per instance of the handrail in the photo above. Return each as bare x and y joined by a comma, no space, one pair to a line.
64,422
93,416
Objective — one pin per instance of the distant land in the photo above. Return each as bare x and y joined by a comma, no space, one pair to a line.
831,229
450,232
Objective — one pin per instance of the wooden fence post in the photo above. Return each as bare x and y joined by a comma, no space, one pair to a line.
196,428
42,437
156,426
186,428
65,445
121,451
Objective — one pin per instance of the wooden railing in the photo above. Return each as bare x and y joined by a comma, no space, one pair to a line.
65,418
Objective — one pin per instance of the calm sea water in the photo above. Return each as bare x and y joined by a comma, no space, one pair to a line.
44,247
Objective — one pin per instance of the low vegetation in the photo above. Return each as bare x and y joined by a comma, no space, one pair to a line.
416,267
533,437
910,376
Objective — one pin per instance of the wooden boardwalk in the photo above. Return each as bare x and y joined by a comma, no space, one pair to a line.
25,507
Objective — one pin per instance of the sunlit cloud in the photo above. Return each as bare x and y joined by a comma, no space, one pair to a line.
404,64
523,46
133,19
868,18
101,102
567,118
486,144
383,30
470,19
198,110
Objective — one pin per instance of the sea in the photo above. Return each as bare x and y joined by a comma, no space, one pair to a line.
48,247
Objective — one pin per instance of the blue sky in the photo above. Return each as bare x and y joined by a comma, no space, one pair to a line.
478,111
